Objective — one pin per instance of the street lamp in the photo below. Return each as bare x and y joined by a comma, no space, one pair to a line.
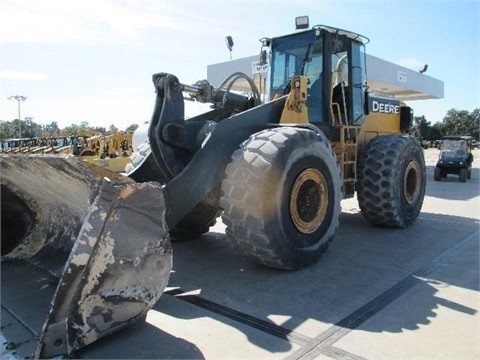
18,98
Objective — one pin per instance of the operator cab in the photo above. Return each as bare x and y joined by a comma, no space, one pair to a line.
333,61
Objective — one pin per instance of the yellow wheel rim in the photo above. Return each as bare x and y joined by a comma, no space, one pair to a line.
309,200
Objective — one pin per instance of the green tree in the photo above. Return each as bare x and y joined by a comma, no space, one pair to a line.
423,127
100,129
437,131
475,123
51,129
72,129
11,129
30,129
462,122
132,127
17,125
7,129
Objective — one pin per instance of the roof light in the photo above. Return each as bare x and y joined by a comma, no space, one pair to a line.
301,22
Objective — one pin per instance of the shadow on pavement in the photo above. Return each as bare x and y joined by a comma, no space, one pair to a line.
365,270
125,344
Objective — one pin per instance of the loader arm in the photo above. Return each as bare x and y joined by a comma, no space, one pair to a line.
189,176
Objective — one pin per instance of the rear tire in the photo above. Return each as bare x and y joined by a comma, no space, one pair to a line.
87,153
391,181
281,197
195,223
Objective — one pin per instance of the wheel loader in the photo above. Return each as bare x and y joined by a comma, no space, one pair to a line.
274,165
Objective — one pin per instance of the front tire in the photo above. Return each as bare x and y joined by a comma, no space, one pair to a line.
391,181
437,175
463,175
281,197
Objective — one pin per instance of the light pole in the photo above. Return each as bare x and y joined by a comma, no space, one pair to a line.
229,42
18,98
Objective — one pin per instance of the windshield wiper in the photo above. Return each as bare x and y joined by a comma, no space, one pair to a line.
307,58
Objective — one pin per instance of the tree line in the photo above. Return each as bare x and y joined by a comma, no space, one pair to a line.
29,129
455,122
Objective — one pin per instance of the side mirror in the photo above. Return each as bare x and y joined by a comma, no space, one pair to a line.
265,41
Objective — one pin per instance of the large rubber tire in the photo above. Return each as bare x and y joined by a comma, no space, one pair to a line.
462,176
281,197
197,222
437,174
391,181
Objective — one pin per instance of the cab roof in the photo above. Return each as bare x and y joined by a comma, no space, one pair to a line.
333,30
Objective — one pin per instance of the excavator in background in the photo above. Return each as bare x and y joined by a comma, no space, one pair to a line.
276,167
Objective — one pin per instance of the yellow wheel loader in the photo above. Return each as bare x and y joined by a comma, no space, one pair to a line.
111,151
276,171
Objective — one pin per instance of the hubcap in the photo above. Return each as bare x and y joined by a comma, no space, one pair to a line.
309,200
411,183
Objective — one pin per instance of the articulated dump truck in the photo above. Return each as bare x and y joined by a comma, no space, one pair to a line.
92,249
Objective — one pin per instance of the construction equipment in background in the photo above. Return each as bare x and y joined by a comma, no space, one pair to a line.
276,170
23,145
116,144
110,150
113,151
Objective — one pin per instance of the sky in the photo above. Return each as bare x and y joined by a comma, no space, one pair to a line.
93,61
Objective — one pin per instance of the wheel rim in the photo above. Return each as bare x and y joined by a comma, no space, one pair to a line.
411,183
308,201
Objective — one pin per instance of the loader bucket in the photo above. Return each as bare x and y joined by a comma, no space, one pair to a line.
95,241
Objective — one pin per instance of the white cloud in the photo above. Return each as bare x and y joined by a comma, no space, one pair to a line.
87,21
22,75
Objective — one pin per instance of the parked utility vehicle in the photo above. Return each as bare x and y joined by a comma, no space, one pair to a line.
455,158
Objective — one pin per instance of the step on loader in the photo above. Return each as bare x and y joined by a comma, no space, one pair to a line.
275,165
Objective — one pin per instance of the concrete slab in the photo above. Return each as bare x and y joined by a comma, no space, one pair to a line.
451,329
176,329
25,305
